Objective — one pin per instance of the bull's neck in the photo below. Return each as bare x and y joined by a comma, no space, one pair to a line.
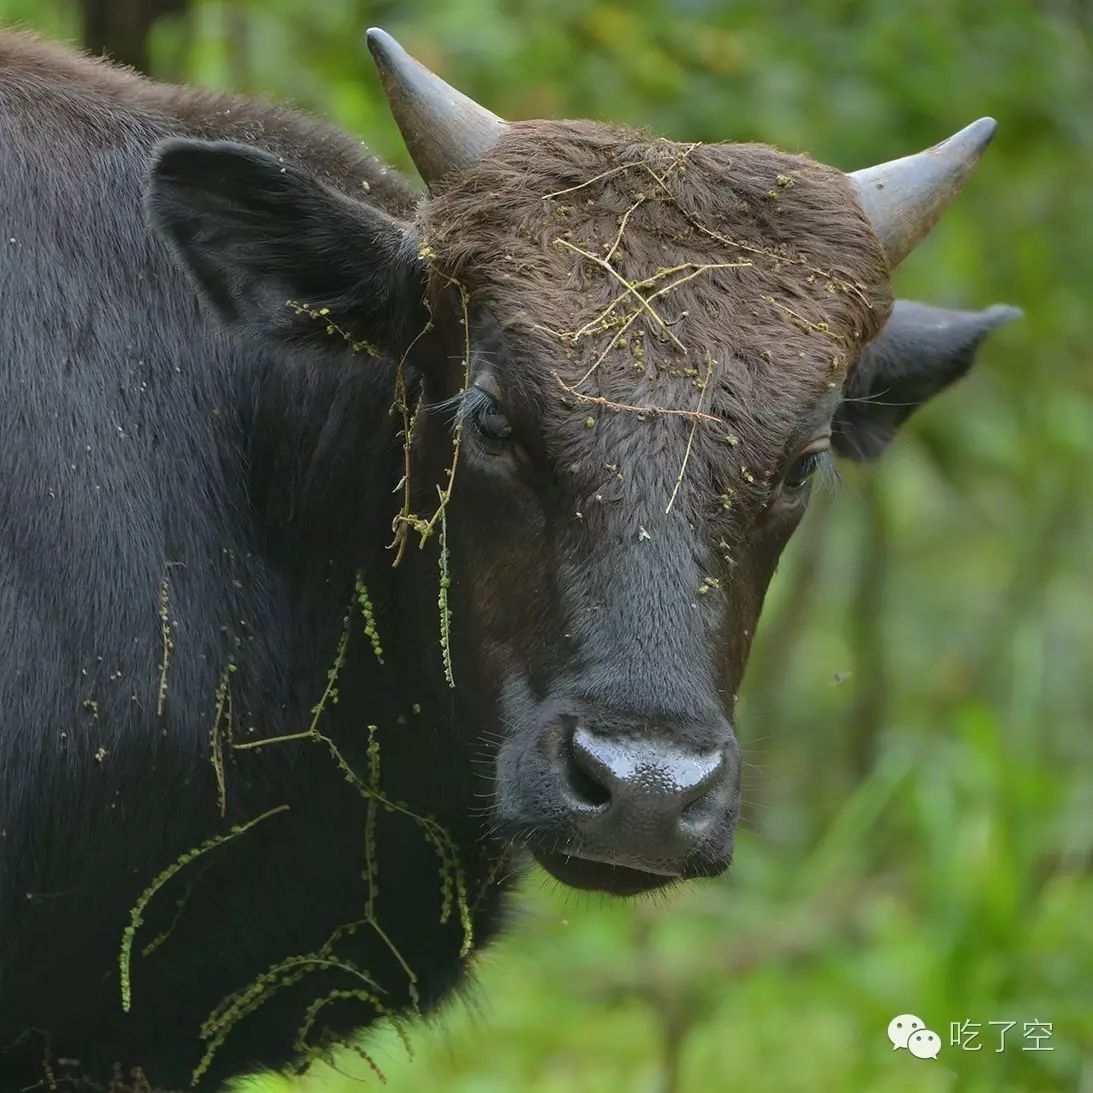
322,454
325,460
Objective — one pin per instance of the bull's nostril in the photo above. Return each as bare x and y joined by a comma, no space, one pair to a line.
706,797
585,789
701,809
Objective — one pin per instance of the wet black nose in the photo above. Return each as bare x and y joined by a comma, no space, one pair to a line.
645,803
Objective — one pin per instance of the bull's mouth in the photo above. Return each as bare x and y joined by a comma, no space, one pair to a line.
601,876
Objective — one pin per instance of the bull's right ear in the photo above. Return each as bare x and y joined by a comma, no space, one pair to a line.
262,239
920,352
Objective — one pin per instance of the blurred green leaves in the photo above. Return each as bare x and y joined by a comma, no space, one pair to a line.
928,850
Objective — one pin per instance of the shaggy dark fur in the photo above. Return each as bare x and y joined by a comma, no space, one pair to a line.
141,444
184,504
808,288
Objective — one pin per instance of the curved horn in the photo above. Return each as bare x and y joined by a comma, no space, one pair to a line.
443,129
904,198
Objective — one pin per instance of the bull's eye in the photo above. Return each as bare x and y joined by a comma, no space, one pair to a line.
801,470
485,413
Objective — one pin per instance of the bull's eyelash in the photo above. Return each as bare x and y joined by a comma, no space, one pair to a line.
828,477
462,406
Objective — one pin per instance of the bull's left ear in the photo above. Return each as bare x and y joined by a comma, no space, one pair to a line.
920,351
261,238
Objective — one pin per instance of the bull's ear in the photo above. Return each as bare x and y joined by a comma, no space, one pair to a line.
920,351
256,233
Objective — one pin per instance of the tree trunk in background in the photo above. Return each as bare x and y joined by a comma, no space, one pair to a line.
867,635
121,28
237,32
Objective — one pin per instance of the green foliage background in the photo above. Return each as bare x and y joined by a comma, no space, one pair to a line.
918,710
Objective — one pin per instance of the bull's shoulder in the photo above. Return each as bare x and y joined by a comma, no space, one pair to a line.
50,93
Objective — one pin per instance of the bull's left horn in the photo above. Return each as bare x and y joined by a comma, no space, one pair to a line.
443,129
904,198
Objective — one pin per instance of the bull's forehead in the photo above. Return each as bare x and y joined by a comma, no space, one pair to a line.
734,281
720,247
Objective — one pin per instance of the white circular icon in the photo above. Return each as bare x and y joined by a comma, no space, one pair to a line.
900,1029
924,1044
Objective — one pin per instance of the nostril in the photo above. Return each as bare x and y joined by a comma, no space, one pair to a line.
701,809
584,787
706,797
644,781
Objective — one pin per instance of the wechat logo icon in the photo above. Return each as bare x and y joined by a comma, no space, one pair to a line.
908,1031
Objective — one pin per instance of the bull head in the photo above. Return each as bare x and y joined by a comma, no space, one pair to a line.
609,555
446,132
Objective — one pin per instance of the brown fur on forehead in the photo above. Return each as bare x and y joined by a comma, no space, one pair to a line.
636,269
794,267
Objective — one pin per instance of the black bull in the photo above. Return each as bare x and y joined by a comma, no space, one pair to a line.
196,515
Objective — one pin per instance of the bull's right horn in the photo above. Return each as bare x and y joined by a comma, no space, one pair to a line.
904,198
